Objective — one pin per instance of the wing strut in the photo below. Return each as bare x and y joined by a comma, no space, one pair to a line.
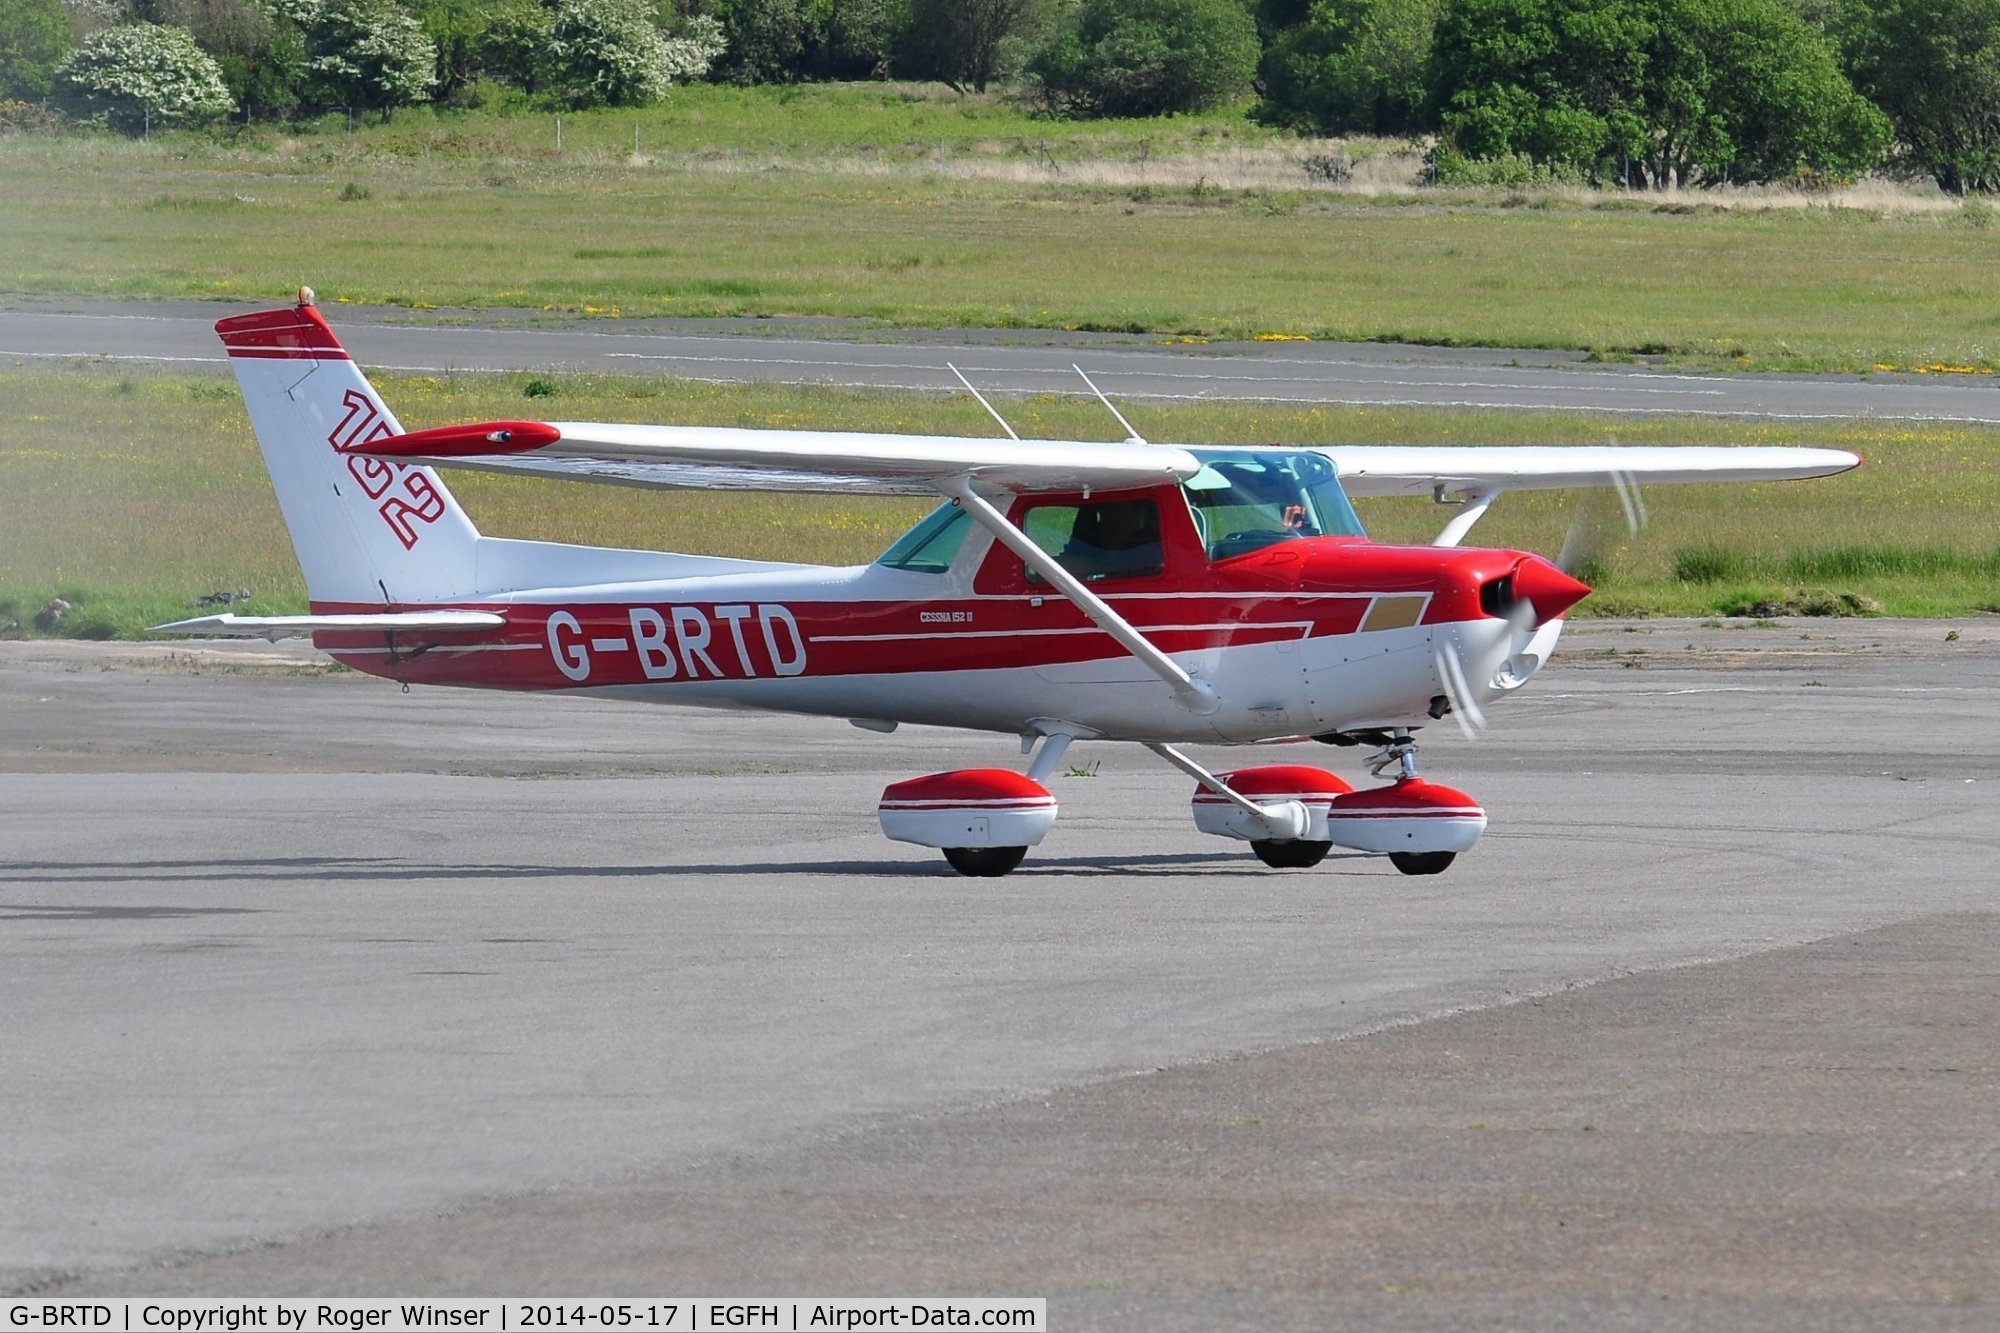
1284,820
1476,503
1195,694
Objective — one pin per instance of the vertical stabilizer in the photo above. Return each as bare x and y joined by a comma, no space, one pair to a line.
367,532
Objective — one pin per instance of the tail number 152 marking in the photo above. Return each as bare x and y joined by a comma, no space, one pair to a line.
420,501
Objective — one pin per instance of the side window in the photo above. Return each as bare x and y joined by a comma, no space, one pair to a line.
1111,539
931,546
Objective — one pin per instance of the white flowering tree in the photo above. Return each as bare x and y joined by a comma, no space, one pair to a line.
141,76
365,53
610,53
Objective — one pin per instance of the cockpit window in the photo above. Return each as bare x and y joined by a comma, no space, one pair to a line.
931,546
1243,501
1099,539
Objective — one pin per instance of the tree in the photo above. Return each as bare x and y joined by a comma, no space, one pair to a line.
263,64
455,29
862,35
514,45
1148,57
34,38
1778,88
220,27
139,76
1934,66
768,41
609,53
959,42
1674,90
1351,66
365,53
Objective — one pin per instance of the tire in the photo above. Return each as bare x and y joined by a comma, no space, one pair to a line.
1298,854
1422,863
984,862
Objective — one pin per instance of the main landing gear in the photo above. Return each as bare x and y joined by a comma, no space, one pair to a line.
984,820
1293,815
985,862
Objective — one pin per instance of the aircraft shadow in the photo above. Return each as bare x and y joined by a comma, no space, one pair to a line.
380,869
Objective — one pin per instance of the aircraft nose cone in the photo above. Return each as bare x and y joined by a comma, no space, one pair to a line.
1547,588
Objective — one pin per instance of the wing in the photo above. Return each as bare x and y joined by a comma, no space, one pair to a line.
728,458
1431,470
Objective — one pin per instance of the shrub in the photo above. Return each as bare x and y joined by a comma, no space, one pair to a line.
142,75
28,118
1352,66
365,53
609,53
1148,57
34,38
1687,91
1515,171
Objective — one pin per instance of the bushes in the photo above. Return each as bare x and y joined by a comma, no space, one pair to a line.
1148,57
609,53
34,38
1352,67
365,53
1685,91
140,76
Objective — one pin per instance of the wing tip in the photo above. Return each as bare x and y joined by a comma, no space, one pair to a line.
471,440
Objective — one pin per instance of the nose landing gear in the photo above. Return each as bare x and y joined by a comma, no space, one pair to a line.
1420,826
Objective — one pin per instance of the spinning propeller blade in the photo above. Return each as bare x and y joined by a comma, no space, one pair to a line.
1465,709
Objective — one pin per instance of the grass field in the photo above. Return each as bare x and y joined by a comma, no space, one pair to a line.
130,496
921,209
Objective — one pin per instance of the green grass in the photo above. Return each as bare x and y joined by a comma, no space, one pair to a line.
915,208
132,495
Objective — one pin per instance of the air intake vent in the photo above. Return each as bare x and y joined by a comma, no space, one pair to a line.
1497,598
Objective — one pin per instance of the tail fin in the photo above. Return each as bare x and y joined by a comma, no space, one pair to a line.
367,532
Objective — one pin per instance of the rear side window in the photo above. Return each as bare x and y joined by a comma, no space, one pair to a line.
1108,539
931,546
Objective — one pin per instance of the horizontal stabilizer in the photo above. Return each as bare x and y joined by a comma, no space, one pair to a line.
731,458
230,625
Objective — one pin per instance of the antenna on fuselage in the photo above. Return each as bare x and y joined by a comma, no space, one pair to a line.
982,401
1131,436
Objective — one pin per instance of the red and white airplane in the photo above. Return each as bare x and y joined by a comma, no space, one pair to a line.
1065,590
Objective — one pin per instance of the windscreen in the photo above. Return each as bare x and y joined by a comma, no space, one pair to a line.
1243,500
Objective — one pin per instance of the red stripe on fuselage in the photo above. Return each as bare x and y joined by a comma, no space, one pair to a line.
585,645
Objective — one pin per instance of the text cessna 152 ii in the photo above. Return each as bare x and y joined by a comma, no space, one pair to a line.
1064,590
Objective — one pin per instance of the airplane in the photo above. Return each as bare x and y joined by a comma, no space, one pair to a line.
1063,591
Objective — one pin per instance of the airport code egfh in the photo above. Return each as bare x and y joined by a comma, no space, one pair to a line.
666,1314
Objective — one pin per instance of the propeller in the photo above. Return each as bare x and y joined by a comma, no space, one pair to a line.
1541,590
1590,532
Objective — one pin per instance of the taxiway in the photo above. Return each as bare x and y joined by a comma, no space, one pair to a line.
315,987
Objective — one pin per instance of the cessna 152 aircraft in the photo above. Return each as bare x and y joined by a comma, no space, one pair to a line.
1063,590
